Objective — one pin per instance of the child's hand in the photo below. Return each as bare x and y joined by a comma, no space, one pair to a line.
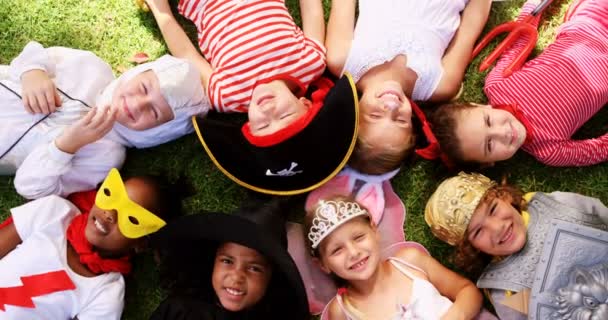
92,127
38,92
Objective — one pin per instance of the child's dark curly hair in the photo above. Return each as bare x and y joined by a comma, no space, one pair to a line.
169,194
467,257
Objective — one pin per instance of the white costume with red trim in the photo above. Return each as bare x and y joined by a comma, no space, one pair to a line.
42,225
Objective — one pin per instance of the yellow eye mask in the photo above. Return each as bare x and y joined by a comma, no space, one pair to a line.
134,221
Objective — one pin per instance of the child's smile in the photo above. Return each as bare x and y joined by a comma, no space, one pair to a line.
351,251
360,265
101,226
497,228
240,276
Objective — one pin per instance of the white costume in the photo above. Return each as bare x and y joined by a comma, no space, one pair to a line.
42,169
420,30
42,225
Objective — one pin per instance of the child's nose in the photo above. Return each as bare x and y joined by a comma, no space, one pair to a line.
494,224
501,133
237,276
352,251
267,108
109,216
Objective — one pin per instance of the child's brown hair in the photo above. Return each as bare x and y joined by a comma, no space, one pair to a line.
444,122
469,258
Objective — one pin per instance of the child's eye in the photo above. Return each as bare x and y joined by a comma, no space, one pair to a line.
489,145
336,251
476,233
143,87
256,269
375,116
286,115
493,208
488,122
225,261
155,114
360,237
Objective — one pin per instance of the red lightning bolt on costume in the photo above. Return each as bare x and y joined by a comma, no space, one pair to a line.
33,286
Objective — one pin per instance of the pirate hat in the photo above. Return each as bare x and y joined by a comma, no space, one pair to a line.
294,160
188,247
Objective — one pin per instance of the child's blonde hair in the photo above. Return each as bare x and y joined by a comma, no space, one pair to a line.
371,159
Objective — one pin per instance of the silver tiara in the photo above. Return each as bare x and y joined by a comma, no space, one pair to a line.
330,215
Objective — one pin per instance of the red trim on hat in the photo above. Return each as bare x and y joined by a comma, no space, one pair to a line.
318,97
433,150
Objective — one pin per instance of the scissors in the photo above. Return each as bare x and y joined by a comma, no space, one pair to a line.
515,29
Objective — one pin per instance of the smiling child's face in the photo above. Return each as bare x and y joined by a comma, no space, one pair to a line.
102,225
240,276
351,251
497,228
273,107
140,103
386,116
487,135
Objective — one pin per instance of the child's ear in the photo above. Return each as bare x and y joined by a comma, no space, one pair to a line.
318,262
307,103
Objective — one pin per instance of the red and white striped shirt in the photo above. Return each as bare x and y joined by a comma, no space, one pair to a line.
562,88
249,42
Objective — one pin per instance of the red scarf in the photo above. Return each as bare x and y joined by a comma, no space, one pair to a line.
516,112
76,236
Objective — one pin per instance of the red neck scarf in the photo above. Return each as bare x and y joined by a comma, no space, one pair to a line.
516,112
76,237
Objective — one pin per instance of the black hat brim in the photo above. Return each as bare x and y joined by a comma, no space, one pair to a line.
315,154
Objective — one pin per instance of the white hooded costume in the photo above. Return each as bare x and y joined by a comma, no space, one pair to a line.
42,169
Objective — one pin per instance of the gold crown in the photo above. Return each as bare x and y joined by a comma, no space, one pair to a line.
329,216
451,206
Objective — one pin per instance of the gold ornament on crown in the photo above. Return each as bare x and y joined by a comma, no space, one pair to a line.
450,208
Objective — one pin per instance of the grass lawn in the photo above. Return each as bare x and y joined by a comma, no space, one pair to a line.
115,30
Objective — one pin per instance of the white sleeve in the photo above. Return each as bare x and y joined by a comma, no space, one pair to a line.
36,215
588,205
33,56
107,303
48,170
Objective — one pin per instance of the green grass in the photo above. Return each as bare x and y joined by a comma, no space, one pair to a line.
115,30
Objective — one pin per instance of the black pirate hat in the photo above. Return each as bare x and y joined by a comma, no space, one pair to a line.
188,247
294,160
